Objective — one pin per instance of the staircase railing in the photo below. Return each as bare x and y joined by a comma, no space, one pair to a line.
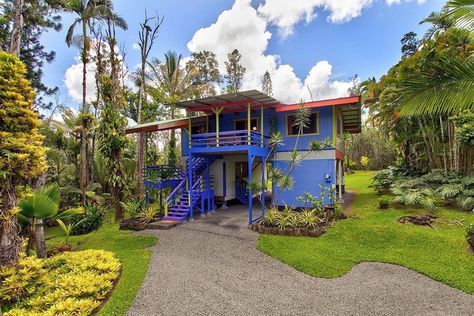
174,195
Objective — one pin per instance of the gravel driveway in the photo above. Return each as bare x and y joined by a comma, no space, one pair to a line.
211,267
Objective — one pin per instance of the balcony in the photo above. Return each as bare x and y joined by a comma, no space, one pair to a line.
230,141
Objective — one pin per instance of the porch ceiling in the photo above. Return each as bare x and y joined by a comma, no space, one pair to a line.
164,125
230,102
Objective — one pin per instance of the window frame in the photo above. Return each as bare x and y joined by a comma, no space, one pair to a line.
316,113
245,119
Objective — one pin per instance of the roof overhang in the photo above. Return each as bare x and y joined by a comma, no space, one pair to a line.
164,125
230,102
350,107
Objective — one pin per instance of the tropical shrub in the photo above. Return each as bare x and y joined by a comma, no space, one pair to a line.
309,219
21,148
384,202
382,180
414,197
436,188
132,208
470,235
72,283
89,221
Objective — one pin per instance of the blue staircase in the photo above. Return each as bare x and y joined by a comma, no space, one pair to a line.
179,203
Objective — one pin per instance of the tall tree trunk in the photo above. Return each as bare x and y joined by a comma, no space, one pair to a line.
10,240
40,240
140,165
15,41
84,111
443,140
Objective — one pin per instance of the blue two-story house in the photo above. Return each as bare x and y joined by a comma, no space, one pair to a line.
225,145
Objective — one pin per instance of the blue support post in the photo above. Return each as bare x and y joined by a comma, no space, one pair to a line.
190,185
250,160
263,185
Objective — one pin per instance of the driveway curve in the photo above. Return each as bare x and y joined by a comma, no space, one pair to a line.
211,267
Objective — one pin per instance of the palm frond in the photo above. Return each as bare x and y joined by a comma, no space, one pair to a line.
462,11
434,93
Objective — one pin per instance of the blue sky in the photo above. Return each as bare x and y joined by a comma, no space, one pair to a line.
304,46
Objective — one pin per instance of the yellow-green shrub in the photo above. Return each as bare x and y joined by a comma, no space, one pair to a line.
72,283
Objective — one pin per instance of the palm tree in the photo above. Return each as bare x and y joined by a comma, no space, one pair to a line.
448,87
86,12
172,83
439,21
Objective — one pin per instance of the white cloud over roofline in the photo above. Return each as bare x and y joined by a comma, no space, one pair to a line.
242,27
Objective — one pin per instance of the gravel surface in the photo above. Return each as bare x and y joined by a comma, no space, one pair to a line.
211,267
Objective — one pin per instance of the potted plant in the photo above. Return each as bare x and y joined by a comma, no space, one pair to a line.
384,202
470,235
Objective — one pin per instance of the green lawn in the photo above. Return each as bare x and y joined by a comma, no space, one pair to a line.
374,235
130,249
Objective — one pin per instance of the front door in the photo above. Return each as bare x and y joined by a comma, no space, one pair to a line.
241,170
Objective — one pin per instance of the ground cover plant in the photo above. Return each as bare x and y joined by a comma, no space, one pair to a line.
130,249
429,190
372,234
71,283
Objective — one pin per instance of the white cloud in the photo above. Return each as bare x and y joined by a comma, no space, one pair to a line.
135,46
390,2
285,14
243,28
73,76
73,81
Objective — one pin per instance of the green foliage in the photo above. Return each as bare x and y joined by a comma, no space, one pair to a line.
132,208
426,190
384,202
44,203
272,217
382,180
72,283
147,214
89,221
414,197
464,128
309,219
68,228
234,72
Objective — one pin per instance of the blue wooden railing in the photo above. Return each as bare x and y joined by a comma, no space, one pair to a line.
229,138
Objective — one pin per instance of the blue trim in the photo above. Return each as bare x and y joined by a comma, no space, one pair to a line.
249,165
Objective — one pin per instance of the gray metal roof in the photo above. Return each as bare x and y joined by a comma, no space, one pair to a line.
230,102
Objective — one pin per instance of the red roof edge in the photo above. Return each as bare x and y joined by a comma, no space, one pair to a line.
321,103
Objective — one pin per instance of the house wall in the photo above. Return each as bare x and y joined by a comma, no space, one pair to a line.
308,175
216,170
325,129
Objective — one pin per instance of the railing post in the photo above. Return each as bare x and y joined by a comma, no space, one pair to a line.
248,123
190,191
261,127
190,132
217,111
